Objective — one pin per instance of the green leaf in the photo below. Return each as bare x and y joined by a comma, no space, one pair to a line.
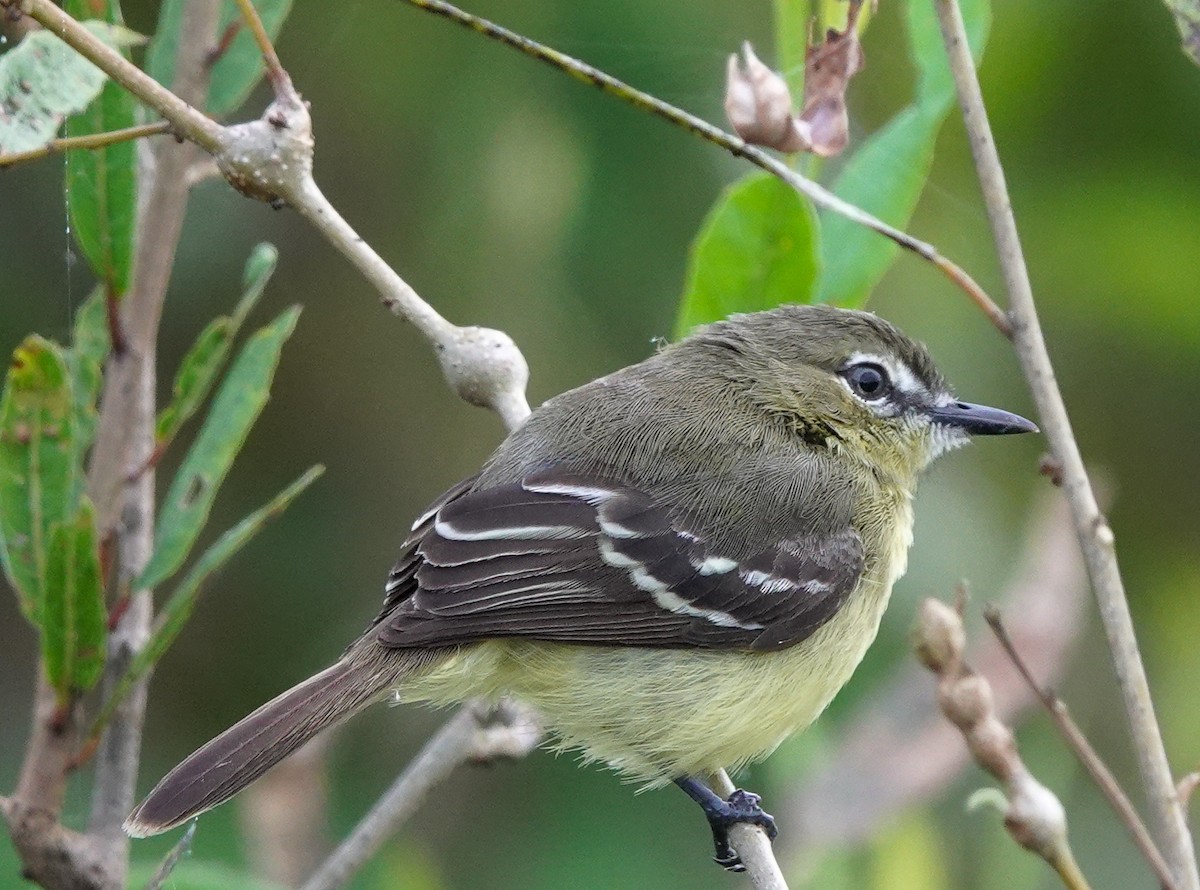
179,605
757,248
74,617
102,183
238,403
886,175
85,360
240,66
37,465
43,81
207,356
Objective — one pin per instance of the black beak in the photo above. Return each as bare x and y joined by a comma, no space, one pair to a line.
980,420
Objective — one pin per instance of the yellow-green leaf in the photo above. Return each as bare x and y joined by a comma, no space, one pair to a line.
240,66
757,248
886,174
37,465
200,367
240,400
74,618
179,605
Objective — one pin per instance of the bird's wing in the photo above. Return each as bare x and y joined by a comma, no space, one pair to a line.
578,559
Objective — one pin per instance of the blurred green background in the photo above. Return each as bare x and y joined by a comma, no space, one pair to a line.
513,197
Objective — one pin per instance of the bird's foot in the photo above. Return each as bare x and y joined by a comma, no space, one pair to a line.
740,807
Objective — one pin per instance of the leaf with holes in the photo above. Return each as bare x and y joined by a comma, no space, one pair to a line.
178,607
37,465
240,400
757,248
74,617
102,183
887,173
240,66
207,356
43,81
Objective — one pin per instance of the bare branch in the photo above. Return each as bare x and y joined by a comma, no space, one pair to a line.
1095,535
90,141
467,736
751,844
186,121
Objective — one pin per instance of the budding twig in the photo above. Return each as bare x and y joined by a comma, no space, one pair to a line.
1033,816
1084,753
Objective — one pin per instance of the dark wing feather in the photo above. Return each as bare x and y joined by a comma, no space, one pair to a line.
586,560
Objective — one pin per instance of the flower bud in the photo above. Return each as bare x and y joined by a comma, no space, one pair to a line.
938,637
759,105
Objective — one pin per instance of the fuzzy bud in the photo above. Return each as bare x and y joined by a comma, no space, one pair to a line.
938,637
759,105
966,700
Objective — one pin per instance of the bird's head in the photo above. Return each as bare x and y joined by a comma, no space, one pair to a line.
853,382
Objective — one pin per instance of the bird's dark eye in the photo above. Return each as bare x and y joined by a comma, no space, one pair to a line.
868,381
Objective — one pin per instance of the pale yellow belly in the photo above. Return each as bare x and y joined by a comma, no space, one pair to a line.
656,714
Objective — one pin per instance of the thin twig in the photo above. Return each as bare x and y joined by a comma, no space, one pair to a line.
186,121
464,737
275,70
90,141
1186,788
819,195
1095,534
1084,753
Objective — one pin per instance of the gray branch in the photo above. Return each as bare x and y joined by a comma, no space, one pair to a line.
1095,534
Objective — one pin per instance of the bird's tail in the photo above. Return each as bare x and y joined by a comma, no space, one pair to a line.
242,753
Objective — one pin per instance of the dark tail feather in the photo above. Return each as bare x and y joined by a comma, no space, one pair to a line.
238,756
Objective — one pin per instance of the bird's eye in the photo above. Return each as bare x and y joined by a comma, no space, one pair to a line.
868,381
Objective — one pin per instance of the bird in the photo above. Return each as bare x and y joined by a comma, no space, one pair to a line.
678,565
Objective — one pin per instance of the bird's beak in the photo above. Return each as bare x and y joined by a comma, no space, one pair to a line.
980,420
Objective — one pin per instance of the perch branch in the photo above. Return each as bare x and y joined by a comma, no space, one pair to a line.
1095,534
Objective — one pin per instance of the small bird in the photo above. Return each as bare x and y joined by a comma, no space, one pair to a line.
678,565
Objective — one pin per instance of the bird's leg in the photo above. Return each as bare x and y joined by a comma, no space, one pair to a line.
742,806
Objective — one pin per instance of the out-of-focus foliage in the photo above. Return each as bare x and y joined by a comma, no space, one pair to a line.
238,402
514,197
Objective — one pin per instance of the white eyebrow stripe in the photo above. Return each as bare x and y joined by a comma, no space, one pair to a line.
901,374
